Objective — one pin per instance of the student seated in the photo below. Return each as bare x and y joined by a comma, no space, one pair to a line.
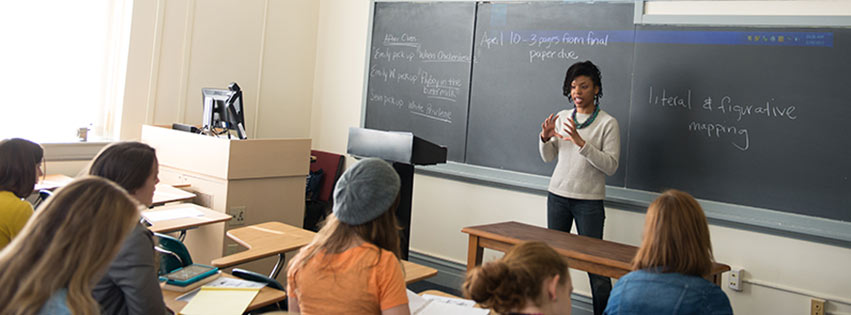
532,278
673,258
20,169
130,285
352,266
51,266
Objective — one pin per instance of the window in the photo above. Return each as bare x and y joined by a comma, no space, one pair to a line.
63,67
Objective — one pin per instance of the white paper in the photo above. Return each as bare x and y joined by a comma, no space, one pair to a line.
226,282
415,302
428,304
171,214
449,300
222,282
437,308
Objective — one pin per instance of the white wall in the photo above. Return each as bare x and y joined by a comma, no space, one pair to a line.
180,46
441,207
304,61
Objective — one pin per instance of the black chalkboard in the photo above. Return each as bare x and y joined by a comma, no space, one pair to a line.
522,53
419,71
751,116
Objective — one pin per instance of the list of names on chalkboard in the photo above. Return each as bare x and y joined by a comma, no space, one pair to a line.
419,73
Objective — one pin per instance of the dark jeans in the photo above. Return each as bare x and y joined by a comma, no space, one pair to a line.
589,216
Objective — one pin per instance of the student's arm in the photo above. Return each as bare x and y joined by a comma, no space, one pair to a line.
398,310
292,300
292,304
393,297
134,272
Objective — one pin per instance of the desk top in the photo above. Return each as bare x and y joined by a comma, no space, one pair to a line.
264,240
266,296
165,193
272,238
574,246
210,216
415,272
53,181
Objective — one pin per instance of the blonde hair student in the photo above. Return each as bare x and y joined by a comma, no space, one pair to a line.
532,278
51,267
20,169
352,265
674,256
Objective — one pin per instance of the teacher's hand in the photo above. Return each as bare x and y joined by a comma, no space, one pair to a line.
548,128
571,134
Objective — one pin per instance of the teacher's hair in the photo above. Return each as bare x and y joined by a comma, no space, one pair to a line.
586,68
128,164
676,236
67,244
18,161
506,284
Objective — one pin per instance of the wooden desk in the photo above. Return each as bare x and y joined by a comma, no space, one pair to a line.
53,181
601,257
165,193
415,272
266,296
276,238
264,240
167,226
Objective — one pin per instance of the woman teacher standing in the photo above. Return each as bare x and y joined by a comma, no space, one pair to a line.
586,141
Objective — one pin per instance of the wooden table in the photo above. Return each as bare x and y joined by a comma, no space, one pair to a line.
266,296
593,255
276,238
210,216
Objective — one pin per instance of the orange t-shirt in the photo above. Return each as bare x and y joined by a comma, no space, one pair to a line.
361,280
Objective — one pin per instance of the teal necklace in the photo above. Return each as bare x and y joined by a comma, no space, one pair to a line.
588,121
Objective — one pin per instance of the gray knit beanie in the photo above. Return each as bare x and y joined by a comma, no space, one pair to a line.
365,191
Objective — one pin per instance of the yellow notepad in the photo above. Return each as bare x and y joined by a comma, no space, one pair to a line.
224,301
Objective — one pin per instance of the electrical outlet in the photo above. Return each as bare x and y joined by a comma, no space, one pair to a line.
816,307
238,214
734,280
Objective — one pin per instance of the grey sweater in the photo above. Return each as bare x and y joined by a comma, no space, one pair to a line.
130,285
581,172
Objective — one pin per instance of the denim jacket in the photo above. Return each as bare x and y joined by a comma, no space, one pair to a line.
648,292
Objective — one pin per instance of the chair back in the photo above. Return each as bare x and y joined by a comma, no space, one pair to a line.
43,194
270,282
332,166
173,254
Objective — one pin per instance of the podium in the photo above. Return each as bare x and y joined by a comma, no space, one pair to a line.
255,181
403,150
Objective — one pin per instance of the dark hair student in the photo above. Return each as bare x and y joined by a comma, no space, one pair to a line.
531,278
130,285
586,142
20,167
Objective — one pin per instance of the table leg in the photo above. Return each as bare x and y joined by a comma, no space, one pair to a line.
474,253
